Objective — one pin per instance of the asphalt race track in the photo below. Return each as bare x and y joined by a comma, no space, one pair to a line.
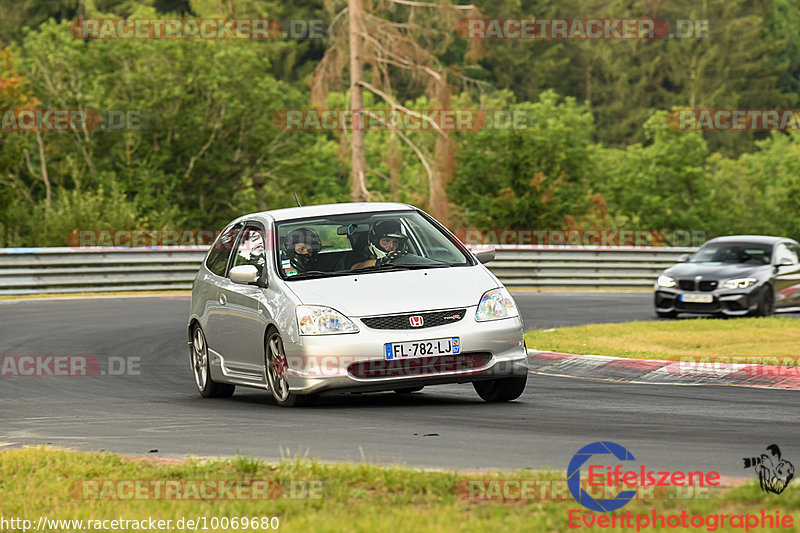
153,407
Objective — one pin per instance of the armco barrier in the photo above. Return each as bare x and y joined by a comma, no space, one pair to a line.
65,270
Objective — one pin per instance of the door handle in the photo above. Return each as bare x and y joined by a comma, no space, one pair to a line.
222,299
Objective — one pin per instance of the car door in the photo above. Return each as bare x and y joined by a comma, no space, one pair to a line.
209,288
787,276
244,317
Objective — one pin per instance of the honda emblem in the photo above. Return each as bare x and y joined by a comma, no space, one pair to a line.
415,321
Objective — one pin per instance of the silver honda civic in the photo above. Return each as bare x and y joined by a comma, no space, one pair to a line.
350,298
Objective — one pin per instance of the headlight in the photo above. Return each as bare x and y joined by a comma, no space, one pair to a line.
739,283
320,320
666,281
495,304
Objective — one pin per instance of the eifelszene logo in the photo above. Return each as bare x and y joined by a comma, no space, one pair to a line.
611,477
774,472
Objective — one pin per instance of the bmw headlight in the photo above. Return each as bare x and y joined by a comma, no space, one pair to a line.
320,320
496,304
739,283
666,281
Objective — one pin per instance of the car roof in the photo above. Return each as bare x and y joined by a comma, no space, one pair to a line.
754,239
291,213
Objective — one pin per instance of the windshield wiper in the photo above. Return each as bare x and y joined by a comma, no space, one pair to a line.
426,265
313,274
386,266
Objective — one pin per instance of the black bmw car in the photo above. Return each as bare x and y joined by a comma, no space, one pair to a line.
735,275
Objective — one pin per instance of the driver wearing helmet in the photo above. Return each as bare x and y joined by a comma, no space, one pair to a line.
386,243
300,251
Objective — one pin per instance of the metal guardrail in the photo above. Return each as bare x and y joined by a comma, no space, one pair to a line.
66,270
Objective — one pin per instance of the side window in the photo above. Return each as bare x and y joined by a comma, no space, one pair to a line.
217,260
251,249
784,251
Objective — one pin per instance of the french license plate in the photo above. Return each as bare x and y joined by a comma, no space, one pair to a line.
697,298
404,350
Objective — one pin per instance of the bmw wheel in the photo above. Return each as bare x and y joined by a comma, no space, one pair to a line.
201,368
276,369
766,302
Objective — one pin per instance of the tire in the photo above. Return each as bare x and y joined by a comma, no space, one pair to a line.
201,368
766,302
501,390
666,314
408,390
275,366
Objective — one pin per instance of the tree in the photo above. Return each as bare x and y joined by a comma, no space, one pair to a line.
395,42
536,176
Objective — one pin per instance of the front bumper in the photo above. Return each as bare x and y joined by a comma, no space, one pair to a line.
728,302
356,363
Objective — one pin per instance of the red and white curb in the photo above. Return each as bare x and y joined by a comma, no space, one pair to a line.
697,371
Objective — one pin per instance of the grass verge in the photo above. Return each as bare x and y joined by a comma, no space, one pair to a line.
58,484
773,340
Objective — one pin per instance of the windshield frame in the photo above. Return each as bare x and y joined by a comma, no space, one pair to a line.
400,213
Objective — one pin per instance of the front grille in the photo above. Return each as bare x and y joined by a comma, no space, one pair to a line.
708,285
686,284
419,366
429,320
712,307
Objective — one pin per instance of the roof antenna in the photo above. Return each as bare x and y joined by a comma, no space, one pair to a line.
296,200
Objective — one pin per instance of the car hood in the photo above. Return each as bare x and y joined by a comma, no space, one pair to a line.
395,292
712,271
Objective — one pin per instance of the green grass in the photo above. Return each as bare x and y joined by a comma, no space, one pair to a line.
353,497
774,340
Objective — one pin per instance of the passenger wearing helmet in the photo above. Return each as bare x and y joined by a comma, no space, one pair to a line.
300,251
386,243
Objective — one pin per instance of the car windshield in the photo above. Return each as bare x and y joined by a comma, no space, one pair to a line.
745,253
338,245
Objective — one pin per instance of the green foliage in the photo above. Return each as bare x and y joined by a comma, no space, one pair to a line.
206,148
532,177
662,185
759,192
597,150
74,209
675,184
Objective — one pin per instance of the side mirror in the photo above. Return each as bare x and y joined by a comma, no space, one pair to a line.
487,256
785,262
683,258
244,274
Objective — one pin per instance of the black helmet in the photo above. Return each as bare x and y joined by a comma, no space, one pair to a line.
302,262
385,228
